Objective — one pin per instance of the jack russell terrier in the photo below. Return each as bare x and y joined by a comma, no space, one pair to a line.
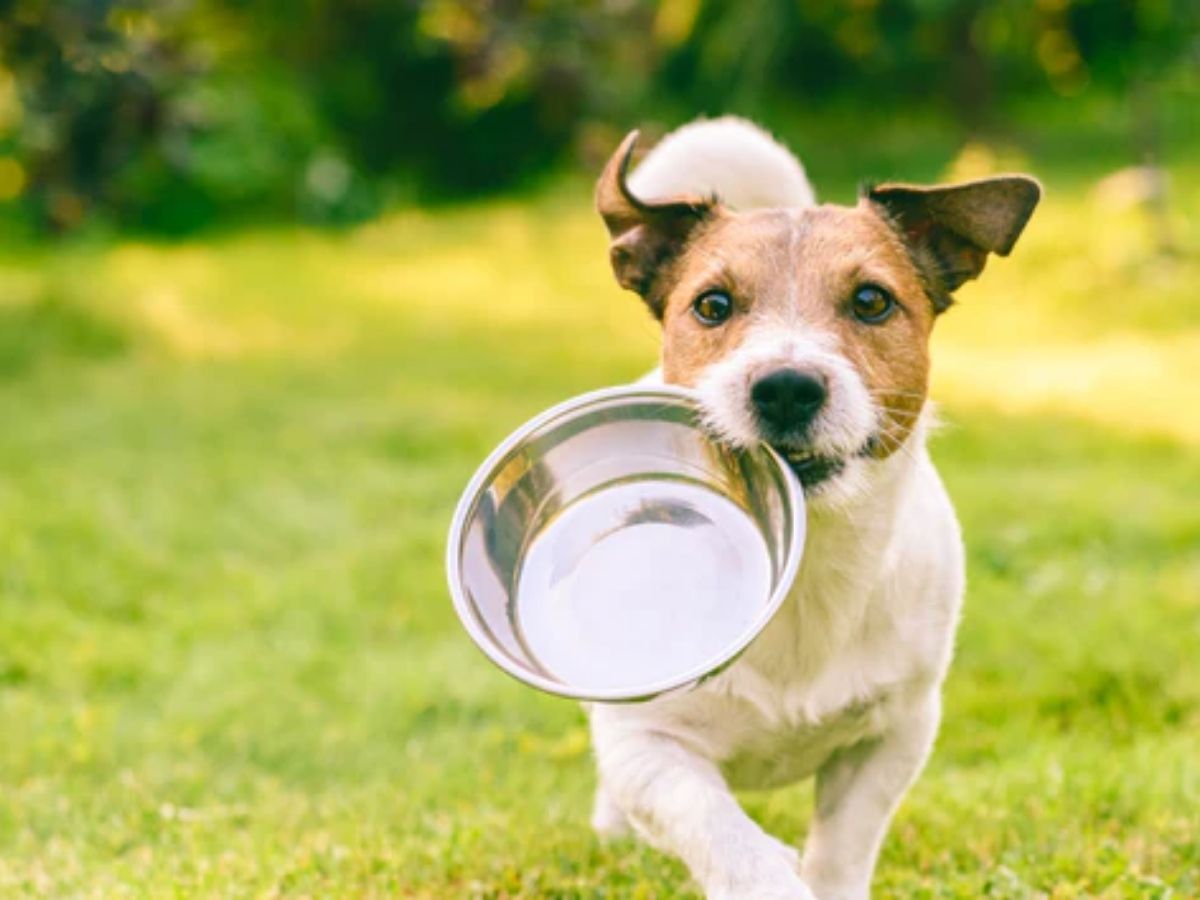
805,326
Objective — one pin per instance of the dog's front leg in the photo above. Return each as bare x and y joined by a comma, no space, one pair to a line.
680,803
858,789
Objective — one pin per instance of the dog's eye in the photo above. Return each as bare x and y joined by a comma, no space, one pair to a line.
872,304
712,307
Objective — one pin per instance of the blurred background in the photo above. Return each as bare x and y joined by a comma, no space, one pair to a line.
173,116
275,276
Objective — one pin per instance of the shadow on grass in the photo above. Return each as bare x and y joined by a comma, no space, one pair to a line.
52,328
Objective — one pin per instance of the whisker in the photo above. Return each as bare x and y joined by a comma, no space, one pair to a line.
901,410
899,440
912,395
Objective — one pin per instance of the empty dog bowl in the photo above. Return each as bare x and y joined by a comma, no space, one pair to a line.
610,550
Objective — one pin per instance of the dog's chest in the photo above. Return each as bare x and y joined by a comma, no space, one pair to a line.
784,730
790,752
810,686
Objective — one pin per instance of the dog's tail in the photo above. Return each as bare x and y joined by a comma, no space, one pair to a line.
729,157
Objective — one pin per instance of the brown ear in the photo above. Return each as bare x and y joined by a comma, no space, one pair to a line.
646,237
951,229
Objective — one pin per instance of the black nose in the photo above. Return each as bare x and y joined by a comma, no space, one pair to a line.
788,400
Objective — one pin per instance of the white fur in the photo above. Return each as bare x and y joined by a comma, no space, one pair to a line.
844,683
847,418
730,157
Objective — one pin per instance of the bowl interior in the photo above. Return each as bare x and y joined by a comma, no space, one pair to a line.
610,550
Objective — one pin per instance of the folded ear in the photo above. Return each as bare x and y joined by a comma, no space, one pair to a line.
646,236
951,229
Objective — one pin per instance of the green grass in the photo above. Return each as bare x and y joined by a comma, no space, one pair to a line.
228,664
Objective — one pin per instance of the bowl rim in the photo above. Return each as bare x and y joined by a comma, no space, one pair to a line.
489,646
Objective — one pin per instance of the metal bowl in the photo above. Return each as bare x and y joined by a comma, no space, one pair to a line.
610,550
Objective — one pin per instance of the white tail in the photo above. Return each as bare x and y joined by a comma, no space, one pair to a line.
729,157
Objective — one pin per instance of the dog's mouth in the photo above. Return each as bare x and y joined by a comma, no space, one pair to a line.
813,468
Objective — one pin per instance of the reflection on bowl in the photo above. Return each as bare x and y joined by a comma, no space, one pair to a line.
609,549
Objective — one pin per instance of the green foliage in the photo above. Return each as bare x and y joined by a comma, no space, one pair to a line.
169,117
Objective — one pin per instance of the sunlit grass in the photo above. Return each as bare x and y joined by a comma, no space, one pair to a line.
228,664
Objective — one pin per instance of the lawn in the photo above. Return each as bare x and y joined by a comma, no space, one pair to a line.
228,663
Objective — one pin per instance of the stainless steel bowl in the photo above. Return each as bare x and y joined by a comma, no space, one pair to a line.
610,550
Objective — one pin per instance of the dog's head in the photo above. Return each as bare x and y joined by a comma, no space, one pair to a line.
809,328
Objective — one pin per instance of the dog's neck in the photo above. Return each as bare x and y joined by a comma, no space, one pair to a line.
850,544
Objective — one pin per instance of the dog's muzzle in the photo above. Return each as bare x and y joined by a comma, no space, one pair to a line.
786,403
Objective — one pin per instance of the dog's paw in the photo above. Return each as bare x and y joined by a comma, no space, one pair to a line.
608,821
790,889
838,891
770,877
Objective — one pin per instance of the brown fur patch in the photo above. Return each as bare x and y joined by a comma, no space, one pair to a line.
803,266
646,237
951,229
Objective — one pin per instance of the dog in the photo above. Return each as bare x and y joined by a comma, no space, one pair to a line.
805,326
